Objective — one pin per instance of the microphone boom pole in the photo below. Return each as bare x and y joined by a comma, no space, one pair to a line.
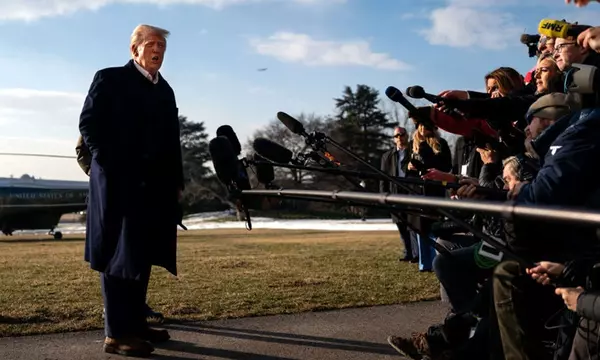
373,176
506,210
318,139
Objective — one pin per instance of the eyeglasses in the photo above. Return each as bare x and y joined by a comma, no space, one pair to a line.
558,48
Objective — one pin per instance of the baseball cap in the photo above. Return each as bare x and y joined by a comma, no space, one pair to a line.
552,106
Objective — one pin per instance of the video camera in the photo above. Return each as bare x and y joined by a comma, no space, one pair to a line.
531,41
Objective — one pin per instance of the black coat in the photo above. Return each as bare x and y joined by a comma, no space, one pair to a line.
389,165
131,128
465,153
441,161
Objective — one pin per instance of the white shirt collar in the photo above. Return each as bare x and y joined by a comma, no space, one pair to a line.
146,73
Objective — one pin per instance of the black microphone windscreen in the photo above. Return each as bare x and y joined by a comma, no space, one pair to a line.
527,39
264,171
396,95
227,131
272,151
224,159
294,125
415,92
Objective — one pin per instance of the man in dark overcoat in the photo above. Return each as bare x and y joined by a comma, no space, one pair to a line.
130,125
394,162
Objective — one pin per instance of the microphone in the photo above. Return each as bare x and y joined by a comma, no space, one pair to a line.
417,92
528,39
418,116
396,95
224,160
264,171
227,131
274,152
292,124
232,173
560,29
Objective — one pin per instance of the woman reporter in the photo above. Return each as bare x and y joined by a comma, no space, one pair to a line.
429,150
547,75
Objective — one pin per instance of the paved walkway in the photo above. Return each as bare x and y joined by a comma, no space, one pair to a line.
343,334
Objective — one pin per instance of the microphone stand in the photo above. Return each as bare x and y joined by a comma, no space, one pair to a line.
319,140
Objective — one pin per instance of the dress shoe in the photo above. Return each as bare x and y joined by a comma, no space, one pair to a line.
404,259
155,336
134,347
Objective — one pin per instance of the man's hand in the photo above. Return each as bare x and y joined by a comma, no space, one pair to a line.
569,296
487,156
411,167
590,39
454,94
469,189
435,174
544,270
450,94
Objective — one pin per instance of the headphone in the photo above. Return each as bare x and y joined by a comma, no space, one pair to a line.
527,167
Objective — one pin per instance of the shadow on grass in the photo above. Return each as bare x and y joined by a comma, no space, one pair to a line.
49,239
36,319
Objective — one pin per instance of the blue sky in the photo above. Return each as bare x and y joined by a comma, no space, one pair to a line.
312,49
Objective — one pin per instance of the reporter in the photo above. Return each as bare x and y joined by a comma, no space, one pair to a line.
568,177
429,150
548,76
545,48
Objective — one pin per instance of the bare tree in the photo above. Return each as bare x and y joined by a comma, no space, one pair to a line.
278,133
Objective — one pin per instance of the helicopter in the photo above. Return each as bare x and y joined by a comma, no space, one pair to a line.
28,203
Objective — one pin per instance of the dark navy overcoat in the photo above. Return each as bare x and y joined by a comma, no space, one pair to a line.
131,127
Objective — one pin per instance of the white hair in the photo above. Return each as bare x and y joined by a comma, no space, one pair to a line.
513,165
142,31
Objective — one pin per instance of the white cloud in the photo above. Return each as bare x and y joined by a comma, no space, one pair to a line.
472,23
301,48
29,10
40,122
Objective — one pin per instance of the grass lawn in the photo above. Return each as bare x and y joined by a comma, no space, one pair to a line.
45,286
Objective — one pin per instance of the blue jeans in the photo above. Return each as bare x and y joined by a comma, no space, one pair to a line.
426,253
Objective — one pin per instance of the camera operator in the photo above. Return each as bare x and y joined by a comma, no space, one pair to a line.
429,151
395,163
